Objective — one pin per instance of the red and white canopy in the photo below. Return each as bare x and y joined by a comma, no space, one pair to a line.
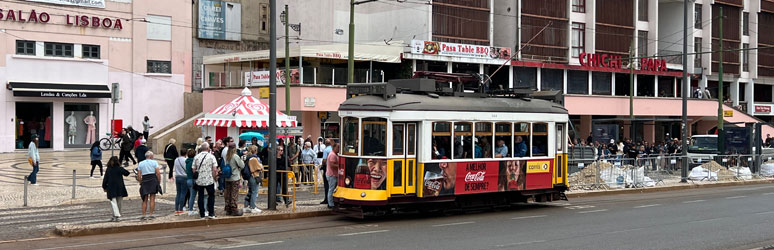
244,111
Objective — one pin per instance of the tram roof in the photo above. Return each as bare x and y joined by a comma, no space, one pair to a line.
421,102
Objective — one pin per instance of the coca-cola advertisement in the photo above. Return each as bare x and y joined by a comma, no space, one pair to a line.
365,174
477,177
439,179
512,175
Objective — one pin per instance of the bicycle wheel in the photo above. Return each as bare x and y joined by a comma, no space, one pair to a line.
105,144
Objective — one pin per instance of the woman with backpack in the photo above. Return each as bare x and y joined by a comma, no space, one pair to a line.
96,159
253,173
231,172
113,185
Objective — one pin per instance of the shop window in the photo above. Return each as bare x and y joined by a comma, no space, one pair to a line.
746,23
441,140
90,51
666,86
25,47
742,87
745,57
645,85
463,140
578,39
525,77
163,67
483,143
59,49
579,6
551,79
397,138
349,137
642,10
697,16
601,83
697,49
577,82
521,139
374,136
503,139
622,86
80,124
642,43
540,139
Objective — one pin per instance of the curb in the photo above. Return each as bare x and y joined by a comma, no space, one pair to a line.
74,232
669,188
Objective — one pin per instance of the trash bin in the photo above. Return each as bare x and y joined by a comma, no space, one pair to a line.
189,145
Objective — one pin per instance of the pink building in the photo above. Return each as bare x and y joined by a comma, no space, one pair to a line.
59,62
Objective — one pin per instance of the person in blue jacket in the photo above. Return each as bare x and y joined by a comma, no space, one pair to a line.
96,159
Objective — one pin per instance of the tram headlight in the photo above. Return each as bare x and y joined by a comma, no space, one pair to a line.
362,194
347,181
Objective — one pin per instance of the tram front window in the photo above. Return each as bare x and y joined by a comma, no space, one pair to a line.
349,135
441,140
463,140
374,136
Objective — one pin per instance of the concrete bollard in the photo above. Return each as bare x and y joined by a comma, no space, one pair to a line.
73,184
25,189
163,174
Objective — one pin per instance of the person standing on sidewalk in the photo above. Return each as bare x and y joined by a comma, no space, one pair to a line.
207,168
34,159
126,148
308,158
113,185
141,150
190,180
324,168
332,173
146,127
282,178
180,182
256,169
149,176
96,158
171,155
231,192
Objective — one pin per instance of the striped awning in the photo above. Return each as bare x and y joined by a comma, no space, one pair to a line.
244,111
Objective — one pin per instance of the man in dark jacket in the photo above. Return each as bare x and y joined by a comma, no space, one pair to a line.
126,147
170,154
141,150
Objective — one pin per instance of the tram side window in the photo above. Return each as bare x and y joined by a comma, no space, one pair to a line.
374,136
349,135
441,140
521,142
463,140
503,137
483,147
540,139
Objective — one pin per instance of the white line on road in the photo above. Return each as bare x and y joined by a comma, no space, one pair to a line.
528,217
251,245
770,193
454,224
651,205
520,243
592,211
762,213
367,232
693,201
707,220
736,197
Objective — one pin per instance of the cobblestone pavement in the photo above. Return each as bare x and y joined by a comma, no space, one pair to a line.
50,203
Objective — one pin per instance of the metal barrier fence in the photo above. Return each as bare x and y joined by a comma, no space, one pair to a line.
653,170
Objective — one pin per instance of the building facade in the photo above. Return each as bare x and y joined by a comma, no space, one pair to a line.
59,60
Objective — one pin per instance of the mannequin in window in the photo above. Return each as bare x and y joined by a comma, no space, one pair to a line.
90,121
72,129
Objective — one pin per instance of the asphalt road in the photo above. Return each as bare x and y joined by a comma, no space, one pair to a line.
740,217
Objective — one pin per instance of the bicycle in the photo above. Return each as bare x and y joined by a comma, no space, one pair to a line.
113,141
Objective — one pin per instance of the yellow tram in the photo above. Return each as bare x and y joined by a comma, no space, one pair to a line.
412,144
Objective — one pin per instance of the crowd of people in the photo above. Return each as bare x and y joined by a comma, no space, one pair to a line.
627,149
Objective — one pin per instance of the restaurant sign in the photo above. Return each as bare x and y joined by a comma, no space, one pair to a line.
459,50
615,62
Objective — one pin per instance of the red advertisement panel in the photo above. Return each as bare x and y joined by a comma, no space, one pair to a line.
476,177
540,173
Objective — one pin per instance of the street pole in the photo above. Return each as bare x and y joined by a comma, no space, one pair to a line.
351,51
272,203
684,152
721,131
631,92
287,61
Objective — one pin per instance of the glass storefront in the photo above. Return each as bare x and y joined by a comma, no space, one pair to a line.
80,124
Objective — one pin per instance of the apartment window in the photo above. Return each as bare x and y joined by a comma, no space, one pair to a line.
90,51
697,16
59,49
642,10
746,23
264,18
578,39
25,47
697,50
642,43
745,57
579,6
164,67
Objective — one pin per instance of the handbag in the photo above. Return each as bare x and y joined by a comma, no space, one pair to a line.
29,159
196,173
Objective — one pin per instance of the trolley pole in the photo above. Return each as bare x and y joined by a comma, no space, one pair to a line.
721,131
684,152
272,202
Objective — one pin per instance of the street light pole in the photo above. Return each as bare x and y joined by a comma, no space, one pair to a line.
272,202
684,152
721,131
351,49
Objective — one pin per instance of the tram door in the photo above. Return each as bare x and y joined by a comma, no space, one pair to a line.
561,157
403,164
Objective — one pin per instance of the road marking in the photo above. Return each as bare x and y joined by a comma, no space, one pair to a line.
251,245
454,224
707,220
750,189
579,207
367,232
592,211
770,193
693,201
762,213
521,243
624,231
736,197
651,205
528,217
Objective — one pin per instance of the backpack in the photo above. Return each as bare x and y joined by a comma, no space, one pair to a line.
246,174
226,170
